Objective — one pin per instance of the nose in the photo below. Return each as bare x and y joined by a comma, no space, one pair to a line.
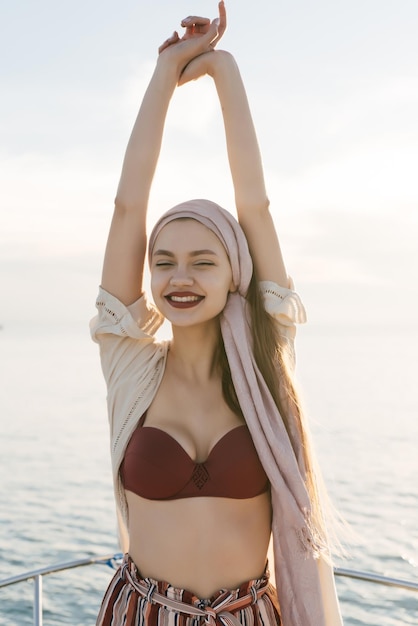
181,279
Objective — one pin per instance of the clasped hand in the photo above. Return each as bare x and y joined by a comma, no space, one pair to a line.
190,53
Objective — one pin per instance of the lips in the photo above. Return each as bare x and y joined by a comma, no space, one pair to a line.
183,300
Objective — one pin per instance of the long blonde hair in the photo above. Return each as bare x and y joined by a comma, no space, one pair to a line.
275,360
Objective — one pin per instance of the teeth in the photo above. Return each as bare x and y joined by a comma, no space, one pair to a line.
184,298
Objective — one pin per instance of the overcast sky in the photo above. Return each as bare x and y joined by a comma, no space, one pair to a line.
334,92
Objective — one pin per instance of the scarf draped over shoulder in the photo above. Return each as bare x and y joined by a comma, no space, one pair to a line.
294,540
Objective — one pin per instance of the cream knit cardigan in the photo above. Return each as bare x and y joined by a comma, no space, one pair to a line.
133,364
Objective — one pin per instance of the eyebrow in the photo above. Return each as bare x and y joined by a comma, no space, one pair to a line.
193,253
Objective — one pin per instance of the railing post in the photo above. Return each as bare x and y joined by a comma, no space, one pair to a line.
37,600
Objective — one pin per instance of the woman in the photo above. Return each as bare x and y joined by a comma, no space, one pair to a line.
209,452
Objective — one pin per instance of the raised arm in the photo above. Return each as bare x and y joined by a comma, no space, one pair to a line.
126,245
245,162
125,251
247,171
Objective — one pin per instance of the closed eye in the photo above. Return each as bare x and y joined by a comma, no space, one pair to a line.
204,263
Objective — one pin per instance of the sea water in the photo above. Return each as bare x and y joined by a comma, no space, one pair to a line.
56,500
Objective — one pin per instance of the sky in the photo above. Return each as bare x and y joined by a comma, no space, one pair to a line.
334,92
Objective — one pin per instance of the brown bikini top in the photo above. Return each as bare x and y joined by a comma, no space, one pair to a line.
157,467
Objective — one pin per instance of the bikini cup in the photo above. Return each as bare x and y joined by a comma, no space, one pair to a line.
157,467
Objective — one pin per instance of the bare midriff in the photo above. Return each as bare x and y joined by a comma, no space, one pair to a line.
200,544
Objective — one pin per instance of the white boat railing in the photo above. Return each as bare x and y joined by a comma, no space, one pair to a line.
114,560
400,583
37,574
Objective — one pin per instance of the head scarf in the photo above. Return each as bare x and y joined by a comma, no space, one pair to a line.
297,577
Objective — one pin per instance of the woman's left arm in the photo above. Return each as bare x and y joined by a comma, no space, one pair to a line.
246,166
243,153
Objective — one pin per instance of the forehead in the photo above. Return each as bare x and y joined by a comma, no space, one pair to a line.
186,233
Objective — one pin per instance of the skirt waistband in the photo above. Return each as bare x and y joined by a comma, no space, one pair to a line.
214,610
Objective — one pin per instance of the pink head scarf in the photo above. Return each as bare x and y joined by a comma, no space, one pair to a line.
297,577
225,227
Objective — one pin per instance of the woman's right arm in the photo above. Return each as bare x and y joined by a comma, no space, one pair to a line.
126,246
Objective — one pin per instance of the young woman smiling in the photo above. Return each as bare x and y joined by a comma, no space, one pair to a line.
210,453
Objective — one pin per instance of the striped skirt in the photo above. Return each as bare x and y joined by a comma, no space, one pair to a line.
134,601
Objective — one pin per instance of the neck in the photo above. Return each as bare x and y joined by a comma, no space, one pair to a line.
193,350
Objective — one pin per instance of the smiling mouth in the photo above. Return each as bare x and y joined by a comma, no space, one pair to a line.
184,301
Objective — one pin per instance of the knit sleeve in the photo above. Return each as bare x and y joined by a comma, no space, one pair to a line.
284,305
125,335
136,321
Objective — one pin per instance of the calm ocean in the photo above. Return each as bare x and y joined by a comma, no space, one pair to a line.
56,500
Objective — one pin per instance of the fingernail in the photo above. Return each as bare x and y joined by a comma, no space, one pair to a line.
216,21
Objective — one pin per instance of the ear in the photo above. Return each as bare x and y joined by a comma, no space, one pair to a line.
232,288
